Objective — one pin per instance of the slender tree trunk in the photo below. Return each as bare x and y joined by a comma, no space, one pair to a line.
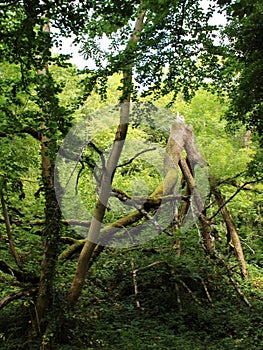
107,177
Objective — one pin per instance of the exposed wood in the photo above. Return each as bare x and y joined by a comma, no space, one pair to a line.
135,285
232,231
199,205
107,176
190,292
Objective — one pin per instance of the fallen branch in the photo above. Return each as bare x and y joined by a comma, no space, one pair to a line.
63,222
207,293
232,231
231,197
232,278
135,285
19,275
17,295
134,277
190,292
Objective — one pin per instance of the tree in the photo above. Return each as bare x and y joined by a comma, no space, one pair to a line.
164,47
243,62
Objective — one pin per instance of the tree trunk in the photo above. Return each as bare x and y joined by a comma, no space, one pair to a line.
51,230
107,177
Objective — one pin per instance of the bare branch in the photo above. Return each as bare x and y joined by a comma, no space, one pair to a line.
231,197
232,278
8,231
136,156
19,275
158,262
207,293
17,295
135,285
232,232
190,292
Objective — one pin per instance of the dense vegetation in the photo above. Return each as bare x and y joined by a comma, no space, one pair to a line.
177,262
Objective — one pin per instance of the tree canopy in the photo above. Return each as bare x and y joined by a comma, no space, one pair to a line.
126,132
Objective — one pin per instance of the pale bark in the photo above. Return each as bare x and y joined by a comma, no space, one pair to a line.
107,177
181,138
232,231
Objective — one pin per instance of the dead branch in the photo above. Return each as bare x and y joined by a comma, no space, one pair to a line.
178,299
17,295
232,278
19,275
199,204
134,277
135,285
232,231
63,222
158,262
207,293
190,292
147,202
8,231
136,156
231,197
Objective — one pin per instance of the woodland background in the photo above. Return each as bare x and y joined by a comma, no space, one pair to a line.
199,288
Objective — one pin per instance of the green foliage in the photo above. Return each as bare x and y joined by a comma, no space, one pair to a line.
243,64
186,299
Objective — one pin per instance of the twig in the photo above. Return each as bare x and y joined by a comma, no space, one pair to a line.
63,222
190,292
252,250
135,285
228,179
136,156
158,262
178,299
134,276
207,293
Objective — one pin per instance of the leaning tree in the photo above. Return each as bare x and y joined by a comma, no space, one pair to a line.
159,48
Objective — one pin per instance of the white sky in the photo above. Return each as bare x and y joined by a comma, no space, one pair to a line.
80,62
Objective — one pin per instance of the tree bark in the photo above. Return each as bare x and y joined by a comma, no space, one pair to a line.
108,174
51,230
232,231
8,231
